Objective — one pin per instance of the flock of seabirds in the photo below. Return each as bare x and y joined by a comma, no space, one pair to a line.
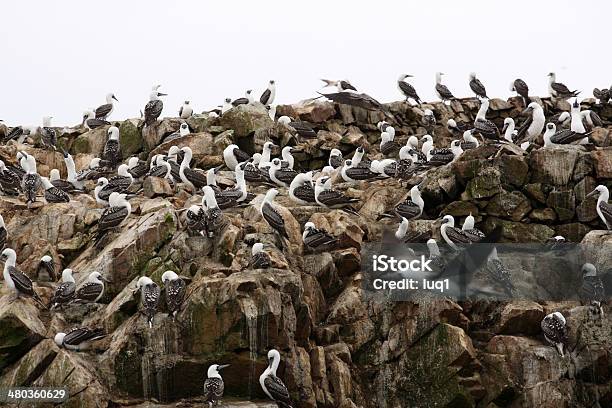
304,188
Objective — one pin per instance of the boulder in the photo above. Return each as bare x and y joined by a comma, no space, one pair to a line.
602,161
20,328
246,119
553,166
130,137
513,206
156,187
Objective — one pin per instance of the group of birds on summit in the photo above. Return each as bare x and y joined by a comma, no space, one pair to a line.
310,188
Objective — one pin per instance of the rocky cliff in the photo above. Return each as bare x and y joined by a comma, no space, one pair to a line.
338,349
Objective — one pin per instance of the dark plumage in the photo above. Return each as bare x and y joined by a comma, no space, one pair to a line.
477,87
521,88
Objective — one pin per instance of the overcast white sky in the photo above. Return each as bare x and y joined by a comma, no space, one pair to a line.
59,58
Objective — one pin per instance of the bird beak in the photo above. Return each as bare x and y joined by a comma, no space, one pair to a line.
222,366
115,98
526,111
161,94
270,361
592,193
504,128
106,279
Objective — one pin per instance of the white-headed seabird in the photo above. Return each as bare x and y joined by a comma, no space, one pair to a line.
330,198
232,155
604,209
499,273
271,215
301,189
119,183
57,181
591,119
195,217
31,181
79,338
469,141
227,105
48,265
16,280
118,211
508,129
54,194
577,122
185,111
352,172
192,177
288,159
92,290
434,255
149,297
484,126
259,258
153,108
273,386
112,149
65,291
3,232
213,385
247,100
214,219
428,120
341,85
406,89
91,122
477,87
335,158
534,124
267,97
103,111
318,238
136,167
231,197
442,90
47,133
454,236
302,128
559,90
563,136
175,291
282,176
469,228
555,331
456,128
592,291
520,87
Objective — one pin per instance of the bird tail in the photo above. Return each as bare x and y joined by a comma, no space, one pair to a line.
384,215
40,301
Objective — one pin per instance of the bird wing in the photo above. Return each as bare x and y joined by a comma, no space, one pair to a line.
64,292
319,237
333,197
240,101
560,88
522,131
407,209
486,127
153,109
213,389
592,289
596,119
305,192
198,178
175,294
112,217
360,173
458,236
150,297
277,389
102,111
79,335
241,155
606,211
286,175
89,291
444,92
354,99
96,123
474,234
521,87
567,136
265,96
553,330
22,283
408,90
303,128
56,195
260,260
478,87
274,218
347,85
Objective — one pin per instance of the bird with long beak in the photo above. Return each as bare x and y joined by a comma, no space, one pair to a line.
213,385
16,280
604,209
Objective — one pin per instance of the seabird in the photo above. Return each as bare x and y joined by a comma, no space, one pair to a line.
92,172
302,128
592,291
282,176
402,228
91,122
149,297
327,197
301,189
101,184
259,258
384,168
227,105
428,120
65,291
411,150
603,95
508,129
16,280
175,291
247,100
153,108
73,176
192,177
434,255
442,90
31,180
231,197
406,89
562,119
591,119
288,159
453,236
136,167
360,100
267,97
272,385
352,172
213,385
252,172
9,180
456,129
558,90
79,338
116,184
534,124
103,111
484,126
271,214
335,158
47,264
468,227
92,290
411,208
47,133
564,136
555,331
175,157
54,194
195,217
499,273
232,155
477,86
118,211
341,85
577,122
442,156
604,209
469,141
112,149
318,238
3,232
265,159
185,111
214,219
520,87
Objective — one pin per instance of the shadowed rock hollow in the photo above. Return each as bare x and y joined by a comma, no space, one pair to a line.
338,349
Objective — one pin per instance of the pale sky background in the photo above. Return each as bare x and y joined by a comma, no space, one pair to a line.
61,57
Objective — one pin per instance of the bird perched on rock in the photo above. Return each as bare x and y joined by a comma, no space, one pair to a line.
564,136
259,258
592,290
232,155
267,97
318,239
17,281
65,291
213,385
153,108
47,133
271,214
48,265
477,86
282,176
534,124
602,96
558,90
273,386
214,219
302,128
79,339
499,273
604,209
112,149
3,232
335,158
327,197
428,120
118,211
247,100
520,87
91,122
442,90
31,182
10,182
455,237
175,291
103,111
54,194
484,126
92,290
185,111
341,85
301,189
406,89
555,331
149,297
411,208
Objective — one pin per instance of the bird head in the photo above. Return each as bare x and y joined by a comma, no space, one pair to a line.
588,269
